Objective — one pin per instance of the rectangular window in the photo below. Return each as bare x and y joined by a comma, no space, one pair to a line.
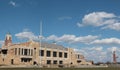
60,54
22,51
15,51
26,59
48,61
19,51
54,54
78,56
55,62
31,52
65,55
25,51
48,53
41,52
60,62
3,59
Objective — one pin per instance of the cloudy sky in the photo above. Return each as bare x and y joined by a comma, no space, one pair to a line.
91,27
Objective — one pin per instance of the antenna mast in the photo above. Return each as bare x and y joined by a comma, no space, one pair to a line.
40,40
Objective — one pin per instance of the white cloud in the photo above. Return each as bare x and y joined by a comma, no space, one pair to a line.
115,26
27,35
101,19
72,38
98,53
79,25
112,49
108,41
97,18
12,3
64,18
97,48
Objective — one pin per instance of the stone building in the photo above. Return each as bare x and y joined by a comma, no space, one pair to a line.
32,53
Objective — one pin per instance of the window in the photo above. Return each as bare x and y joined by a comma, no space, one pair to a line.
3,59
4,51
22,51
41,52
15,51
55,62
25,51
19,51
78,56
60,62
48,61
79,61
48,54
31,52
60,54
65,55
26,59
54,54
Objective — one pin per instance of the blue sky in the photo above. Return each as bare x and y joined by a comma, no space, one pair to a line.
92,27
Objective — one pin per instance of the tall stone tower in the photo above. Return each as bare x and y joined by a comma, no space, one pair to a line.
8,39
114,57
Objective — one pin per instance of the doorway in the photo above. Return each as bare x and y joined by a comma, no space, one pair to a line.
12,61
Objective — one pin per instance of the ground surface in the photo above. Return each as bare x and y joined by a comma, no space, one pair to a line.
115,68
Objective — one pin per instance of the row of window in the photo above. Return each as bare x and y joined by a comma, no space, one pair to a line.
48,61
29,52
26,59
21,51
48,54
54,62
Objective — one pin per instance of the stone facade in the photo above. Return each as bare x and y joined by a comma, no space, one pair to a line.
32,53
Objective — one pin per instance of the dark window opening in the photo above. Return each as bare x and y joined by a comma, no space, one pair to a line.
15,51
26,59
12,61
55,62
60,54
48,61
65,55
22,51
25,51
19,51
41,52
31,52
78,56
48,53
54,54
4,51
79,61
60,62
